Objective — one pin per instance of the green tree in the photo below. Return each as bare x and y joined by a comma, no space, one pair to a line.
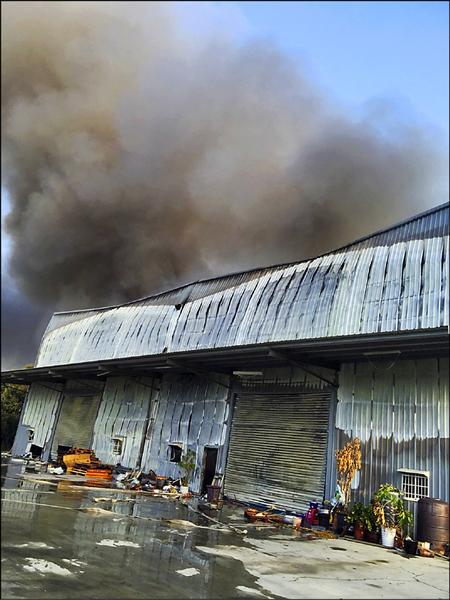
12,398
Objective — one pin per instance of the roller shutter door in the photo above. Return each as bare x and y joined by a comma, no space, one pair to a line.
278,448
76,422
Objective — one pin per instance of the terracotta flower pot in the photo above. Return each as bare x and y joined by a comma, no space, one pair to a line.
339,522
359,531
371,536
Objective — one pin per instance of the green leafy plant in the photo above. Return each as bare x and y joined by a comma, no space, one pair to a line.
187,466
362,515
389,508
356,514
405,519
12,398
369,521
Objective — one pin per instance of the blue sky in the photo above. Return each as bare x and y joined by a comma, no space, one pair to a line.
358,52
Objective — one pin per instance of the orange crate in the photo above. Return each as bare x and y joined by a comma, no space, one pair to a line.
70,459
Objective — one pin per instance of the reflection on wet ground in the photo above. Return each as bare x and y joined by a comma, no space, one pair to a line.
52,549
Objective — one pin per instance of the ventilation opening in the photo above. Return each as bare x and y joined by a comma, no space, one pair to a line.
175,453
118,444
30,435
415,484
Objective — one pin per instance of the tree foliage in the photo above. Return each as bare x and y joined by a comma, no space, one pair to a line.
348,463
12,398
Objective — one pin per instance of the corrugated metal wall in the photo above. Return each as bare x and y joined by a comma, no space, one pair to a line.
393,281
278,448
39,412
191,411
400,411
123,412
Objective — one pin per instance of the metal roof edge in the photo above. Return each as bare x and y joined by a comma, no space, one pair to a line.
359,339
266,268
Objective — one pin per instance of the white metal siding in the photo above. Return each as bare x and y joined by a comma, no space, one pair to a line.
191,411
39,414
123,412
400,411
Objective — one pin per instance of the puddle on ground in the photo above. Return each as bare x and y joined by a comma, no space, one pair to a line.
53,553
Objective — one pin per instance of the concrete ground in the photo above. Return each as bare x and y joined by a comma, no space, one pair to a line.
340,568
58,542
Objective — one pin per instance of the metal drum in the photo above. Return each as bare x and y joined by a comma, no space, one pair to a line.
433,522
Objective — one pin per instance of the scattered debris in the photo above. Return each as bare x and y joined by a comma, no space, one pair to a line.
189,572
74,562
115,544
36,545
113,500
55,470
45,567
98,511
183,523
252,591
423,549
82,461
234,529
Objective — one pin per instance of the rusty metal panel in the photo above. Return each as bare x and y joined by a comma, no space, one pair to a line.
278,448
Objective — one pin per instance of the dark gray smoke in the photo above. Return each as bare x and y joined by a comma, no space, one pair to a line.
138,156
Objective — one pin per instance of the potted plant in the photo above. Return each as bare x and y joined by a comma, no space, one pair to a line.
390,513
405,520
371,531
187,466
348,463
357,516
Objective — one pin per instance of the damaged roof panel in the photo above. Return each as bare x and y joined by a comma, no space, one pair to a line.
395,280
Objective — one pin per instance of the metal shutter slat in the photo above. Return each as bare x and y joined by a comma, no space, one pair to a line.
278,448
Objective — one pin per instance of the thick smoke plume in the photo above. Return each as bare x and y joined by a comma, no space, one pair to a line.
138,155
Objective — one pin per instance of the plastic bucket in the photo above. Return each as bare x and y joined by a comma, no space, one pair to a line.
410,547
387,537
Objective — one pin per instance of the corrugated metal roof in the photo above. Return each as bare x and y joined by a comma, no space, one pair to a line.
394,280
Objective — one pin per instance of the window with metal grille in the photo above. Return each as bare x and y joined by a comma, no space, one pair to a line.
118,445
414,484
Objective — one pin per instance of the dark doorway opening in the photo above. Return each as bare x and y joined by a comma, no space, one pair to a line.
60,453
35,451
209,467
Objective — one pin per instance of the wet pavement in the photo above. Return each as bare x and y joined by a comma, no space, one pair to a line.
52,549
58,543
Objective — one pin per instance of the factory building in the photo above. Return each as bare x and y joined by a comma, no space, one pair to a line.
264,374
